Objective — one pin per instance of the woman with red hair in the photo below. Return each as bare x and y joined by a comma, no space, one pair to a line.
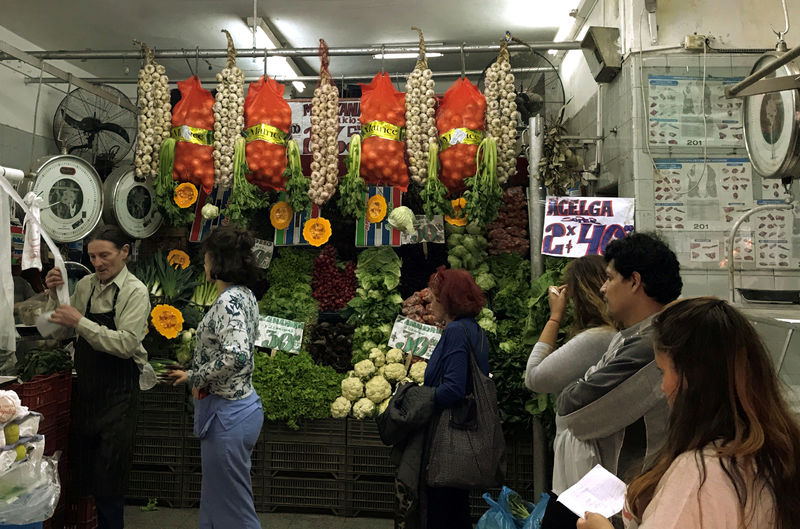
457,300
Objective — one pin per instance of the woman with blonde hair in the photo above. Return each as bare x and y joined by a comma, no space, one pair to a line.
550,371
732,455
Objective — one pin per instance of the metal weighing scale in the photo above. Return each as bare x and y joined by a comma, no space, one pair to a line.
130,204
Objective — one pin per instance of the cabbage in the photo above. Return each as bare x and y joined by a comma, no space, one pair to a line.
402,218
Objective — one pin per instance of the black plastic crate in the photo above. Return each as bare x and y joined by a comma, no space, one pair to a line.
371,496
158,451
162,425
318,431
164,398
370,461
306,493
363,433
299,456
164,486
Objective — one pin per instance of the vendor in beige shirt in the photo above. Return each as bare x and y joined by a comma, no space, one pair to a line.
108,312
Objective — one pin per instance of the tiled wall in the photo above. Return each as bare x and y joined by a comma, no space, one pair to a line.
15,148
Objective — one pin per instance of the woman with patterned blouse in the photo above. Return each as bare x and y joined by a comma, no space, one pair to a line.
228,414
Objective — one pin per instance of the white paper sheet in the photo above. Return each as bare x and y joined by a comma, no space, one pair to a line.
598,491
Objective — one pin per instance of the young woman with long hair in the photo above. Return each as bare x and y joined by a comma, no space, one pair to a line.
732,456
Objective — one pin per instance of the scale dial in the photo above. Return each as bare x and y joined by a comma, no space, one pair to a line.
73,197
771,123
131,204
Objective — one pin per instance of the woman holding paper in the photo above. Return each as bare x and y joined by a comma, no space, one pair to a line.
108,312
228,414
732,457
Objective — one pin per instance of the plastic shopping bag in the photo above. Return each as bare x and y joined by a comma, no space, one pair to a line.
510,511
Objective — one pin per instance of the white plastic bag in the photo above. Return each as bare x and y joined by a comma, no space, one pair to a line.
29,492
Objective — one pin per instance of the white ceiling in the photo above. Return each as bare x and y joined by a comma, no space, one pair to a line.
176,24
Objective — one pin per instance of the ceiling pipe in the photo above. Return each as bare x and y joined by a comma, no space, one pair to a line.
283,79
82,55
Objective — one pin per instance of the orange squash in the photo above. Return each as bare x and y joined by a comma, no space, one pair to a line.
317,231
185,195
460,217
376,209
167,320
280,215
178,258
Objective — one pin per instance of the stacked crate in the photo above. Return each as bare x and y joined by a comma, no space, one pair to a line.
371,473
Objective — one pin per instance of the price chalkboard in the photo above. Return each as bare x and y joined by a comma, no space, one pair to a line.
413,337
280,334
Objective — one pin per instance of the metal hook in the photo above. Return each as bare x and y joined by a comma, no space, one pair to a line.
383,56
463,61
782,34
266,56
188,64
197,59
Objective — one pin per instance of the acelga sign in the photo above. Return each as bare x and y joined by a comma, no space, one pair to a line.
578,226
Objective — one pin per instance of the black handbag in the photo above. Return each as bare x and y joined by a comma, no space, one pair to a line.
467,449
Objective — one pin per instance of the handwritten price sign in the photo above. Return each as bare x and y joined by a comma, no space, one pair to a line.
262,251
280,334
414,337
578,226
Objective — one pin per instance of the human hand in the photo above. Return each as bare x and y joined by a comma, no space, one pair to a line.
557,297
592,520
178,376
66,315
195,392
53,280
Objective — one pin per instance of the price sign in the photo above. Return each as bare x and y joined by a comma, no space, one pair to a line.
414,337
262,251
280,334
425,230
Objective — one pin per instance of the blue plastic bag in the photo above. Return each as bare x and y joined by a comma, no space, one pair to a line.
499,515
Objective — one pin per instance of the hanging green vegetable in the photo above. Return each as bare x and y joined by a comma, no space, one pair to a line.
353,187
434,194
173,211
484,194
297,183
245,196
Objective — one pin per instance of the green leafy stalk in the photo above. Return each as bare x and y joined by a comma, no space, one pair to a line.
484,195
353,187
245,197
434,194
297,184
165,186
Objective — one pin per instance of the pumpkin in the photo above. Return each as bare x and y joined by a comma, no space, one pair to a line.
185,195
459,218
178,258
376,209
167,320
317,231
280,215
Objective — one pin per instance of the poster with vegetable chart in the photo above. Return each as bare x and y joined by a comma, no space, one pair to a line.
202,226
675,108
578,226
379,233
293,234
699,194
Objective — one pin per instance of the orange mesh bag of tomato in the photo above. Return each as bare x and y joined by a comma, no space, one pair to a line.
267,120
461,125
383,121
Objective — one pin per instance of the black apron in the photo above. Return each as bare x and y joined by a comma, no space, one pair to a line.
104,410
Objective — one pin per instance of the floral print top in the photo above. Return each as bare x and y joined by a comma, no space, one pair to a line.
226,337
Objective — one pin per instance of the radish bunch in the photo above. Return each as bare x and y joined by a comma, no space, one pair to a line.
154,116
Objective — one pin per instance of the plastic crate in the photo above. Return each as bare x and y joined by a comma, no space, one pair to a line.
81,513
318,431
306,493
55,422
164,398
46,394
298,456
371,496
161,425
163,486
57,440
370,461
363,433
158,451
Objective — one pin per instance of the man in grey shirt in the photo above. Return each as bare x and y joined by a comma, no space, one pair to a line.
618,404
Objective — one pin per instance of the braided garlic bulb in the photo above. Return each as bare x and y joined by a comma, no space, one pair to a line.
228,116
420,116
324,141
155,116
501,113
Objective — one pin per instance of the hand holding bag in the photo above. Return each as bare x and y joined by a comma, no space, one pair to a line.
467,448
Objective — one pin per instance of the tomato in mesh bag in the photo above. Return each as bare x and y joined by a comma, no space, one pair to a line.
383,121
267,119
460,121
192,127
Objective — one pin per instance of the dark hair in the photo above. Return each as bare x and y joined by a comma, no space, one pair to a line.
231,251
457,292
584,277
656,263
729,395
112,234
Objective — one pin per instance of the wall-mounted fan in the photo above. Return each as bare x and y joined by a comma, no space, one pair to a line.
97,130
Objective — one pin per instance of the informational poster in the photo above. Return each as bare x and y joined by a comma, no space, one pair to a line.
349,124
696,194
280,334
578,226
414,337
773,235
425,230
676,105
262,251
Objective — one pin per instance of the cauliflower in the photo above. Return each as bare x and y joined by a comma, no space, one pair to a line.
383,405
352,389
382,370
364,369
394,372
417,372
394,356
340,408
363,409
377,357
378,389
209,211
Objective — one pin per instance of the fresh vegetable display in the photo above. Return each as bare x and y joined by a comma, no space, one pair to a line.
366,340
331,344
383,121
289,295
421,131
154,118
376,301
43,362
324,134
460,122
317,231
333,285
291,266
228,118
434,194
467,249
501,113
165,281
267,118
484,195
353,189
297,184
402,219
205,293
509,232
417,307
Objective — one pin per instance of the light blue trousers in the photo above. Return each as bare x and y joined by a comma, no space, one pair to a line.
226,494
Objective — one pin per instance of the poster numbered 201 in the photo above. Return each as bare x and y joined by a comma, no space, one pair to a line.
280,334
414,337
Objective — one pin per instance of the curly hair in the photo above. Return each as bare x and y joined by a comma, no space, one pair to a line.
730,398
230,249
649,256
457,292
